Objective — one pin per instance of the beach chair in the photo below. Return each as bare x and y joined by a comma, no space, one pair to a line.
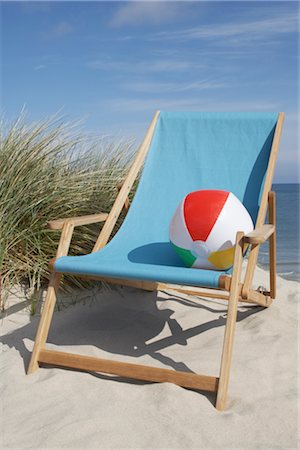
182,152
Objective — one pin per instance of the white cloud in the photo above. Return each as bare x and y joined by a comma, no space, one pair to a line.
137,13
243,30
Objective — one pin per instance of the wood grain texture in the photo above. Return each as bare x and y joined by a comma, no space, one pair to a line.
194,290
230,324
259,235
65,239
128,370
261,299
127,201
77,221
45,321
224,282
50,300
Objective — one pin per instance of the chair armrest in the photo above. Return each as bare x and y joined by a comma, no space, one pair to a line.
77,221
260,235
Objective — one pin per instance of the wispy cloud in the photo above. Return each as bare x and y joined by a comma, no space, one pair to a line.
40,67
155,87
242,30
186,104
160,65
137,13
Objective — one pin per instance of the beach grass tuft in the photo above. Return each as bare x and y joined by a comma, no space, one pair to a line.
50,170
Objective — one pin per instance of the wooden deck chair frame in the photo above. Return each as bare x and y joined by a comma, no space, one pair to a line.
230,287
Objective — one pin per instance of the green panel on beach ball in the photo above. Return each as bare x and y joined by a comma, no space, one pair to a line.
185,255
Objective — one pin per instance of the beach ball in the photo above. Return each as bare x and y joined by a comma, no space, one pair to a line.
204,226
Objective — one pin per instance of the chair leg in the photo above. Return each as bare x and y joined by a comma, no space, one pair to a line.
272,244
230,325
45,321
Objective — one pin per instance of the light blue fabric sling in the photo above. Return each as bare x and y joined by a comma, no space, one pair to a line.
189,151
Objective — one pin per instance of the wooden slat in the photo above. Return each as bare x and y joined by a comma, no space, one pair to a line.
224,282
45,321
128,370
272,244
253,297
127,201
264,203
258,298
50,300
65,240
259,235
230,324
77,221
124,191
193,290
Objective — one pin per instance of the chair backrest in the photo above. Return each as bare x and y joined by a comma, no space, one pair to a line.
192,151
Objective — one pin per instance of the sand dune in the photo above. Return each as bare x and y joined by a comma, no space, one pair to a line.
56,408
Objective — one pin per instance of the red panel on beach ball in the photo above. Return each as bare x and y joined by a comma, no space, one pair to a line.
203,204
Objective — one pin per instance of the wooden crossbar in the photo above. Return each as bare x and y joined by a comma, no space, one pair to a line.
194,290
255,297
128,370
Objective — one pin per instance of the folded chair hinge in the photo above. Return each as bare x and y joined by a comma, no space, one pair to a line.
263,290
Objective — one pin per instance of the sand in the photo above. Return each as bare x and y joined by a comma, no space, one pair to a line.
56,408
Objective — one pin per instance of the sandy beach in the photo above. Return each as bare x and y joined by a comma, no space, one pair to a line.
56,408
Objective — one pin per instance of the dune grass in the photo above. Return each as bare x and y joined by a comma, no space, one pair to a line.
49,170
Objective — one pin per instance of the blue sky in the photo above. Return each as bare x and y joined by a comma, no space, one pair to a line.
114,63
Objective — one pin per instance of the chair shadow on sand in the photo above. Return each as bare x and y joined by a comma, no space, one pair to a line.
123,326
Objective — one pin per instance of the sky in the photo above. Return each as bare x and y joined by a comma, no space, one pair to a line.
113,64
